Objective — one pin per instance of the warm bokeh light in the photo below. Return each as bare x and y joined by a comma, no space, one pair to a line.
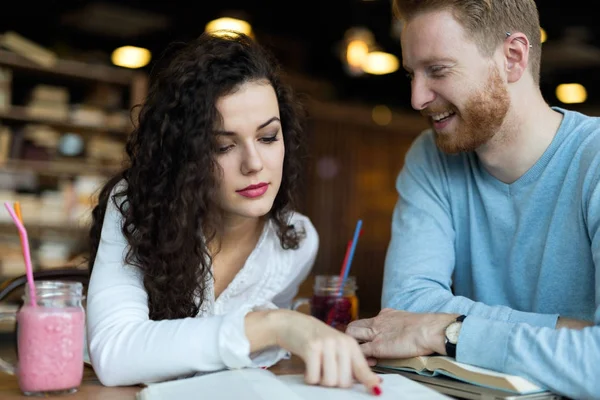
356,52
380,63
228,24
131,57
381,114
543,35
571,93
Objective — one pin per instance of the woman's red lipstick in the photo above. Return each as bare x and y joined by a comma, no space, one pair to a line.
253,191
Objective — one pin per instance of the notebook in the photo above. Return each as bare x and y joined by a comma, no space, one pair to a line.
470,376
260,384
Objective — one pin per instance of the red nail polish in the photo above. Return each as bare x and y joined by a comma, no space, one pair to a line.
376,390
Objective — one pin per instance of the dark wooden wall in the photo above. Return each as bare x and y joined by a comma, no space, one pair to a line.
351,175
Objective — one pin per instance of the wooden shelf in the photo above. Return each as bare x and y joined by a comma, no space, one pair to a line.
78,77
20,114
37,231
52,167
71,69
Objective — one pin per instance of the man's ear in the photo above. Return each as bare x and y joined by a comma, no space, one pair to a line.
516,53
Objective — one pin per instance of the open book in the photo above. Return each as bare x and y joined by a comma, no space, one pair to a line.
441,365
260,384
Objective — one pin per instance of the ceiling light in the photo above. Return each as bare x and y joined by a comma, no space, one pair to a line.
357,43
356,52
228,24
380,63
131,57
570,93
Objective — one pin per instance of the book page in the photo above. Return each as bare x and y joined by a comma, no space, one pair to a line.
393,387
247,384
417,363
468,367
482,375
259,384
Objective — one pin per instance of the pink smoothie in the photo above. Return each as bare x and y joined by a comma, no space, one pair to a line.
50,344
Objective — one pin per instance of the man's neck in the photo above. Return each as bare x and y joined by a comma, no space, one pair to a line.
528,130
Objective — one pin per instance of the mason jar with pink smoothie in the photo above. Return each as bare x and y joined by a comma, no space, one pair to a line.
50,339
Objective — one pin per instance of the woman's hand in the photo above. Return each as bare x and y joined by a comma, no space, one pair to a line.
331,357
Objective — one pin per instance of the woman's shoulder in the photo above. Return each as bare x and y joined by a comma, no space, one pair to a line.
294,264
305,228
305,231
302,222
120,189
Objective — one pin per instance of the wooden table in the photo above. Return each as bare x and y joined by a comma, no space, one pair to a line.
92,389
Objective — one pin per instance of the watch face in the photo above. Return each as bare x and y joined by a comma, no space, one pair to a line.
452,331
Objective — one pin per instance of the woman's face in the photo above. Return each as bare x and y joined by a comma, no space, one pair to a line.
250,150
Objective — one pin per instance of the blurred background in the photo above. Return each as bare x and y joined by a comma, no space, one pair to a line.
70,70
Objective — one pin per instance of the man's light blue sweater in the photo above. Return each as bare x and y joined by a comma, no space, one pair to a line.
513,257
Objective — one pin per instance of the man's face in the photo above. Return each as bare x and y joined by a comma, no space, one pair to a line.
461,92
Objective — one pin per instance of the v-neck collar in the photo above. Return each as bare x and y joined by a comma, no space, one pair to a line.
242,273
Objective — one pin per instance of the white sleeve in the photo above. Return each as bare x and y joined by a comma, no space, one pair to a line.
128,348
304,261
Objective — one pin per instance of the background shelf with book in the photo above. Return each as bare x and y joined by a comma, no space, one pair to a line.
63,125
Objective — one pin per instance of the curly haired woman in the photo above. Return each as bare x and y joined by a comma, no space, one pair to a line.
196,250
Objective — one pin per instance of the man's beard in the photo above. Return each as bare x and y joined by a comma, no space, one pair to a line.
480,120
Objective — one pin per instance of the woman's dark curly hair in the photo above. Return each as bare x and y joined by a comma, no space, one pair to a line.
165,192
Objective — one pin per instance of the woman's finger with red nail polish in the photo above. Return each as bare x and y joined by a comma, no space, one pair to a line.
376,390
362,372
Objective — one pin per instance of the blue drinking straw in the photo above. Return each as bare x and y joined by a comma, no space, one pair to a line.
352,248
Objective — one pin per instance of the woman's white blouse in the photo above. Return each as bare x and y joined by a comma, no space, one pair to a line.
127,348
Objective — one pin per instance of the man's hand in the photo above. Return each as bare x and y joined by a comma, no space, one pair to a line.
401,334
572,323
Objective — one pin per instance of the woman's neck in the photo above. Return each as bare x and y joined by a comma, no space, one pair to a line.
238,232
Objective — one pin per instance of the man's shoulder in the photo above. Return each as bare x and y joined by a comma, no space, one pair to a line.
422,148
585,127
425,141
583,137
425,153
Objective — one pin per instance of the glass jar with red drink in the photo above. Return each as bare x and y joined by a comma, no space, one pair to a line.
333,304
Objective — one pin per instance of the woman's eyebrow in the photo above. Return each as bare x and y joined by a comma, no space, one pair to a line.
264,124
